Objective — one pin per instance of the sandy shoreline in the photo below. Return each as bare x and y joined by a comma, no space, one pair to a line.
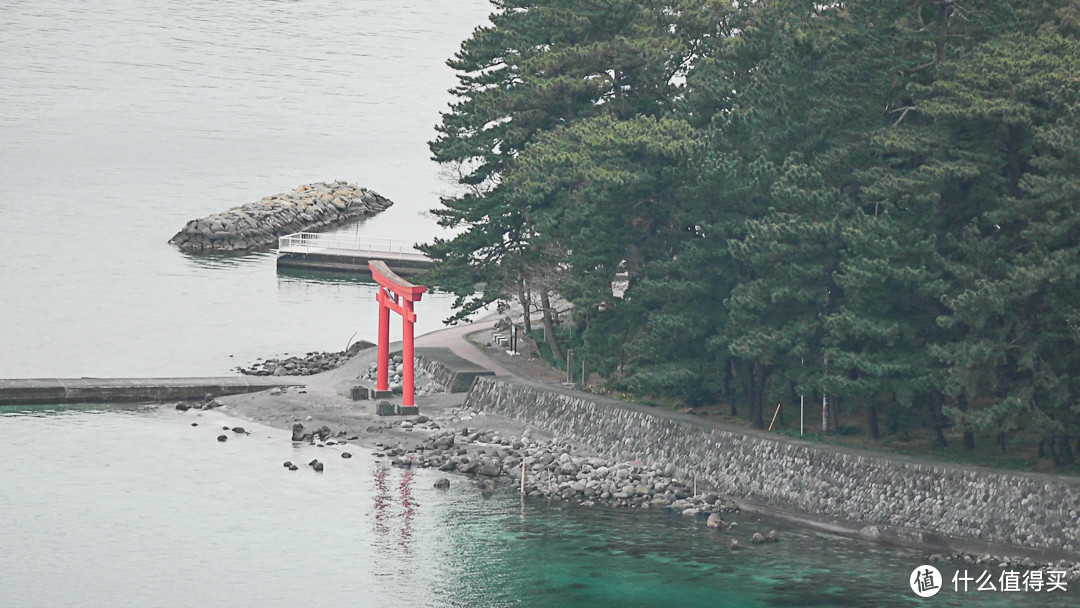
325,401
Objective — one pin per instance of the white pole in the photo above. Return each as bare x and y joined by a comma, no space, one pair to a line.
800,415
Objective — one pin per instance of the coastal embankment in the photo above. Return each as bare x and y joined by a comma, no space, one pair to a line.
593,450
937,507
557,443
309,207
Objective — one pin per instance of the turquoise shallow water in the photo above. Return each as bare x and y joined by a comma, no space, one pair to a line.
137,507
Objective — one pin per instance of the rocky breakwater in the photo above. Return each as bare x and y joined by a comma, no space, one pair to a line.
309,207
311,363
554,468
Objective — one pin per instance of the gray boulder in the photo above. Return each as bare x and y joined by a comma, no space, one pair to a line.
715,521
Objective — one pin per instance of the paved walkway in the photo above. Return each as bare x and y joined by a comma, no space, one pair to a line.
528,365
455,339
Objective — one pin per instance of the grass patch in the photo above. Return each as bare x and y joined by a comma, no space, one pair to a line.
568,339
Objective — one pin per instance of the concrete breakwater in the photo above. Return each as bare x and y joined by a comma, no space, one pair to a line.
934,506
260,223
44,391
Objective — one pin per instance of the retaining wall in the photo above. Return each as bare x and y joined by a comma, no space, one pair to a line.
895,499
448,369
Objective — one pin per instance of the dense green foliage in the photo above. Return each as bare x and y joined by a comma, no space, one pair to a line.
872,203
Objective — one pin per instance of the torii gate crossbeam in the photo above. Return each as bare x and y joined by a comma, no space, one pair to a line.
398,295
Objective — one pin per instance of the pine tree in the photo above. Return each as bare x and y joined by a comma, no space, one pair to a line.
1016,260
536,67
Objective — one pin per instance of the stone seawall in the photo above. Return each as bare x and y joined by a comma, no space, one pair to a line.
881,498
260,223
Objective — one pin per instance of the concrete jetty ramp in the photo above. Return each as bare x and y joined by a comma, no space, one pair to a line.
47,391
453,372
348,253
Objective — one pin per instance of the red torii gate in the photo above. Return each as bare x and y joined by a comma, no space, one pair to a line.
397,294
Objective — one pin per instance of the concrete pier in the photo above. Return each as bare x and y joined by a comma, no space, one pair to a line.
48,391
345,253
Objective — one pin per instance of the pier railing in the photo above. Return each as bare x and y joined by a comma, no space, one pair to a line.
309,242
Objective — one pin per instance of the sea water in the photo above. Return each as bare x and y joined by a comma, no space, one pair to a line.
122,120
137,507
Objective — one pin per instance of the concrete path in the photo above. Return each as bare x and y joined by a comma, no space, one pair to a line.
454,339
45,391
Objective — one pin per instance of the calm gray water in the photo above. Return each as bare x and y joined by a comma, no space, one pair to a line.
121,120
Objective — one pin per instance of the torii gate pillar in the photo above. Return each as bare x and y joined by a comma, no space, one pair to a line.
398,295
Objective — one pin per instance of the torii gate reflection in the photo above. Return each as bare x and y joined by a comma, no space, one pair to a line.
397,294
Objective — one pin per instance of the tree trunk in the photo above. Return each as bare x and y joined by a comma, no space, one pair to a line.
526,305
729,375
934,407
763,377
1001,441
549,327
756,385
872,430
755,413
1061,450
834,413
968,444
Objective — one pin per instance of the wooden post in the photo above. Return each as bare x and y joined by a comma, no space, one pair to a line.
775,414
